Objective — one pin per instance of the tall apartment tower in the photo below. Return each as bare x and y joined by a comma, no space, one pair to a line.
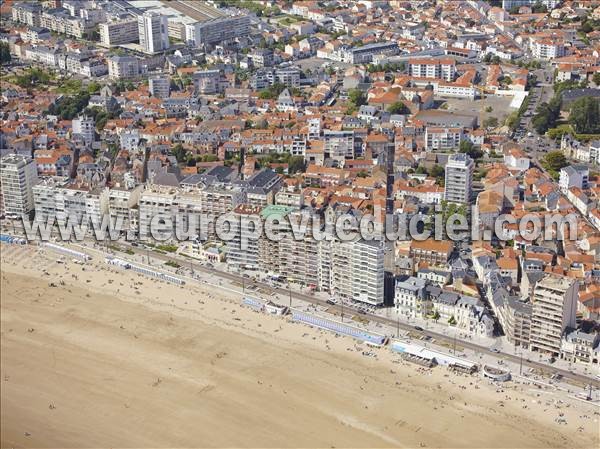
554,305
18,175
153,31
459,179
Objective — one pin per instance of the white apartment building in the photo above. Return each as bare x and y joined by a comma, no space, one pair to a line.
443,68
574,176
27,13
123,205
157,208
459,179
18,175
437,138
547,48
119,32
554,306
153,32
63,23
217,30
84,127
56,199
338,145
44,55
243,248
122,67
160,86
357,271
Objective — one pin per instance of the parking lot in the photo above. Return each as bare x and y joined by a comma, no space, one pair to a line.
499,104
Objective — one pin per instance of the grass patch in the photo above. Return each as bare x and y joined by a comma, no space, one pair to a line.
172,263
167,248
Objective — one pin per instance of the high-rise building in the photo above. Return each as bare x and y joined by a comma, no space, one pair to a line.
357,271
18,175
459,179
554,305
154,32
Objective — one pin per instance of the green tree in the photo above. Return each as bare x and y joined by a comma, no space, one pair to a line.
490,122
357,97
296,165
553,162
4,53
179,152
585,115
398,108
596,78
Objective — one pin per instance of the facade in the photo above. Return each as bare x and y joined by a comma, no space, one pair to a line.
444,68
18,175
574,176
242,249
123,67
153,32
356,270
119,32
217,30
27,13
547,49
84,127
554,307
160,86
207,82
459,179
364,54
442,138
69,204
410,297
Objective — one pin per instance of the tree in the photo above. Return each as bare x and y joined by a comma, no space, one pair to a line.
357,97
296,165
596,78
452,321
4,53
398,108
436,316
553,162
585,115
179,152
490,122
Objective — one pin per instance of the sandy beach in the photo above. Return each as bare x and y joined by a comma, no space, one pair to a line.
109,358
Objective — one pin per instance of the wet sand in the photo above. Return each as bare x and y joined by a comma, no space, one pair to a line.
114,359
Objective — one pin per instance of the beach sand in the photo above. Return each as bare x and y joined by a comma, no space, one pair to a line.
108,358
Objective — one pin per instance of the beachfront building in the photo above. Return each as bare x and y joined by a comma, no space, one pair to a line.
18,175
554,307
77,204
123,206
357,271
410,297
242,249
157,210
